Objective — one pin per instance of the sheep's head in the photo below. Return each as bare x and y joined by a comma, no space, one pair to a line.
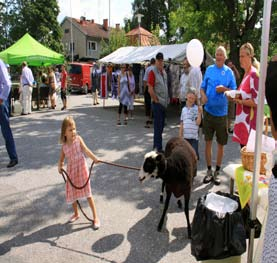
150,166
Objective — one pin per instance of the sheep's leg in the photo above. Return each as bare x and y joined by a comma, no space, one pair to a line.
168,195
186,210
162,193
179,203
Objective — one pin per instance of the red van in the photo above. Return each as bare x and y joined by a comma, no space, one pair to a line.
80,77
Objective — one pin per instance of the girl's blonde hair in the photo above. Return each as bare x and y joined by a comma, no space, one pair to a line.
67,122
250,51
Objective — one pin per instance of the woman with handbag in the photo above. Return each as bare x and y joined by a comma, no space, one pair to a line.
246,104
52,83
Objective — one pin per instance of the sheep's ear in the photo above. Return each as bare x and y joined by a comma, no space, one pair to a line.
159,158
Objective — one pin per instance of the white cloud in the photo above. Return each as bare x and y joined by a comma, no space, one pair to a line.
97,10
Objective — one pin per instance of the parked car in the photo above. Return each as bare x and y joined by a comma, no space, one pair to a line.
80,77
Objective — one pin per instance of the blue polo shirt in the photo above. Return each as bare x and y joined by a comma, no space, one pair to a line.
217,104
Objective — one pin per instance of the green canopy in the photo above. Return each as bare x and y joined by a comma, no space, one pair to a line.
29,50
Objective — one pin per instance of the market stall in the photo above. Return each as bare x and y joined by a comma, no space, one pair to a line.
130,55
30,50
35,54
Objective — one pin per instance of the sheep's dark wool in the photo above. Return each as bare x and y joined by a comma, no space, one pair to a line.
176,168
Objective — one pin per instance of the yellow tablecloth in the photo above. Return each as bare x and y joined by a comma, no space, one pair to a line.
243,180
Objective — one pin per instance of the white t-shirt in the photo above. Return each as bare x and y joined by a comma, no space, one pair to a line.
188,117
148,69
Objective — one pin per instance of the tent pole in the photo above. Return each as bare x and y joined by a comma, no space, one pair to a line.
260,120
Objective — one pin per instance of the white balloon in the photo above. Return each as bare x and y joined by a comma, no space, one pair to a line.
195,53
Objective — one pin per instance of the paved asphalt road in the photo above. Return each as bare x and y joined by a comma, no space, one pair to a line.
33,212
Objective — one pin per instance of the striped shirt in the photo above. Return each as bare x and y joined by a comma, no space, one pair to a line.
188,117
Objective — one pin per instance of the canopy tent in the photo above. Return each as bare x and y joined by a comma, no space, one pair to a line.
131,55
30,50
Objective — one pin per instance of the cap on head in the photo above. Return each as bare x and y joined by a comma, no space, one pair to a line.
160,56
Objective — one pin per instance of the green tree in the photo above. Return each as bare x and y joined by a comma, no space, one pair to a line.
6,18
39,19
2,25
227,22
273,30
117,39
155,13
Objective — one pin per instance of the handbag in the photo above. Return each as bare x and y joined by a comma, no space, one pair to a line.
128,82
248,223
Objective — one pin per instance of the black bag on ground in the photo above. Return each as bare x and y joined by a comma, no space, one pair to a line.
248,224
213,237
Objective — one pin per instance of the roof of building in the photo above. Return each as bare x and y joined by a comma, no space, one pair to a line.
90,28
139,31
146,37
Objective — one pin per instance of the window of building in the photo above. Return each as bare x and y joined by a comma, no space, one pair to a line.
66,30
92,46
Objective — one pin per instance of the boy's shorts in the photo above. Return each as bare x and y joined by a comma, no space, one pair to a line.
215,125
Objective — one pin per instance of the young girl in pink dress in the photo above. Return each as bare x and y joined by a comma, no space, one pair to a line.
74,150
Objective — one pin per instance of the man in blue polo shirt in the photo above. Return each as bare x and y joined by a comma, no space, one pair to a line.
218,79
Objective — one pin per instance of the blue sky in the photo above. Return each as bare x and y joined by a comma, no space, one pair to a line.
97,10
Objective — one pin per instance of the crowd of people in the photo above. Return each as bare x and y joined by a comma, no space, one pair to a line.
204,102
202,99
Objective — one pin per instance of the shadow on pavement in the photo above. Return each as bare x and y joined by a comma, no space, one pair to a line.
149,245
43,235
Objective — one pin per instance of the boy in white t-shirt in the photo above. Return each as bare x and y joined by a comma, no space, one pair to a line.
190,120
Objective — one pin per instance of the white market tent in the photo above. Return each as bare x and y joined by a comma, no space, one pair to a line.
132,55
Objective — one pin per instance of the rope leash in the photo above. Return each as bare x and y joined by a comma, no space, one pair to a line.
66,177
120,165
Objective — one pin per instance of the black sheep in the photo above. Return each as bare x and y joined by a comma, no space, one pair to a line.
176,168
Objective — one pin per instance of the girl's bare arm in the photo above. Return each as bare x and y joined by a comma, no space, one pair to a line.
87,151
61,161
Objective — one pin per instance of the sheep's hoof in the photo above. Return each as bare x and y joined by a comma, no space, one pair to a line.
189,234
180,205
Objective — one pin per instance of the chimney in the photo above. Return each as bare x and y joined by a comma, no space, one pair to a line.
92,21
105,24
117,26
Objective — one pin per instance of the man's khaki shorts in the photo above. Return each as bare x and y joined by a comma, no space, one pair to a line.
215,125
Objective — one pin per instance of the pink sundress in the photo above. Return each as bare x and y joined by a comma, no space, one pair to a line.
77,171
